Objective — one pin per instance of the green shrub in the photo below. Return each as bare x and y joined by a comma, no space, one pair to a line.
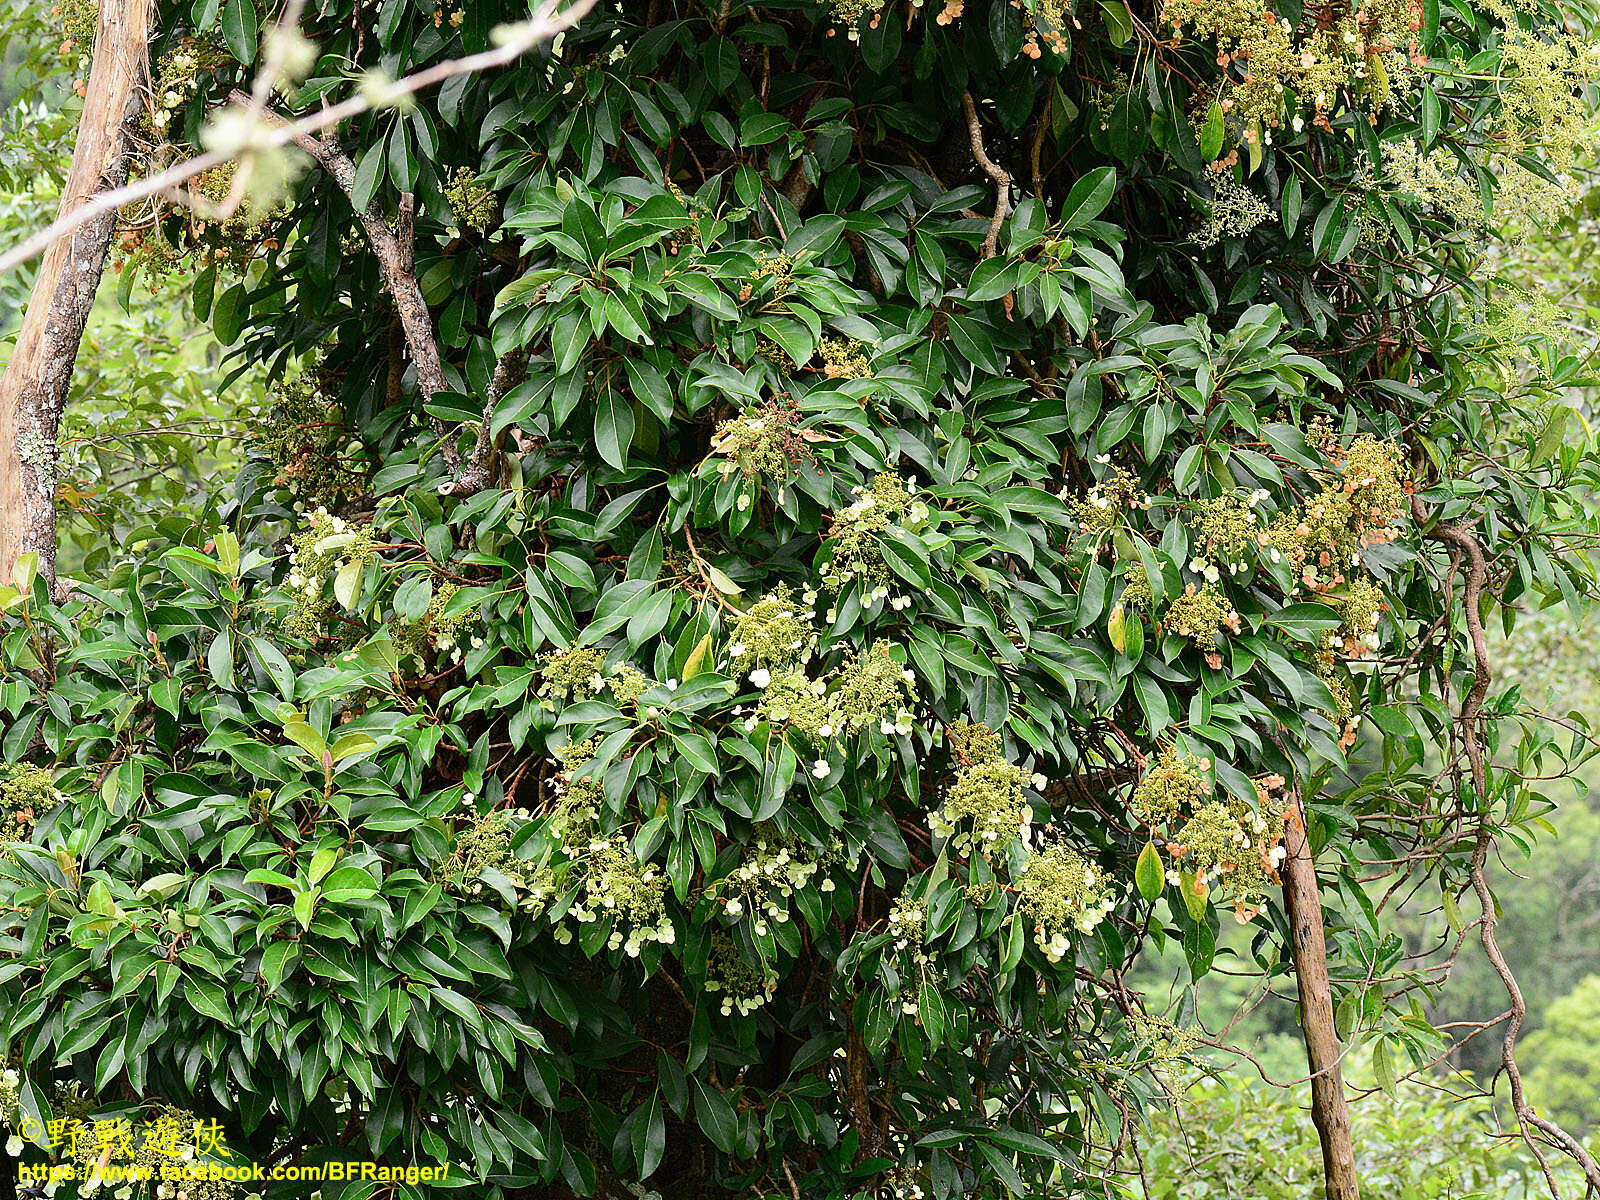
736,796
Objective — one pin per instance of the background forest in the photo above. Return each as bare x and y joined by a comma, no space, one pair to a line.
169,430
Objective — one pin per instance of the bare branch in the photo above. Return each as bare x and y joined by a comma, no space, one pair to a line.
1001,177
1472,739
394,258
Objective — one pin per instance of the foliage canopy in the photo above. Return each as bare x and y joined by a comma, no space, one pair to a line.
959,483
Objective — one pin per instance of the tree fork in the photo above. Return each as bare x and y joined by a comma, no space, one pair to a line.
33,390
1329,1111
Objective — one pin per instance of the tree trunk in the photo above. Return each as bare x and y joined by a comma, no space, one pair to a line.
33,390
1329,1112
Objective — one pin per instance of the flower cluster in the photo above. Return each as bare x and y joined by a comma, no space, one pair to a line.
853,534
774,867
1061,892
1171,784
573,673
437,629
908,932
78,21
1043,21
178,79
327,546
11,1108
1524,200
1240,844
472,203
1136,591
27,793
1356,508
765,445
616,887
873,687
844,358
853,13
1199,614
985,809
484,846
1356,55
121,1150
1545,78
305,437
1225,528
973,741
776,269
578,797
901,1183
744,988
1102,508
216,228
627,684
1232,212
1164,1044
773,632
1361,607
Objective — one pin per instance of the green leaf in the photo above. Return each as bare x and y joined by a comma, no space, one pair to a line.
208,999
25,570
1196,894
613,426
460,1005
1452,910
1304,621
322,862
1383,1066
219,660
701,658
1430,115
276,960
1149,875
307,737
1088,198
304,904
352,745
347,583
715,1116
655,1139
241,29
227,315
1290,206
1117,629
1213,133
420,904
1119,24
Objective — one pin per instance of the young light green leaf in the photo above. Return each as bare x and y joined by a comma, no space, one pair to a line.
1149,875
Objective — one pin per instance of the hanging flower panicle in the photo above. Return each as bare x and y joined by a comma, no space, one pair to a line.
1063,894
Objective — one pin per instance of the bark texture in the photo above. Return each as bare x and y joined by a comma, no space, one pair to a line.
33,390
1329,1111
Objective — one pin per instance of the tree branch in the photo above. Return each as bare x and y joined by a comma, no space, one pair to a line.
33,390
1330,1112
1002,179
394,262
515,41
478,471
1472,740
